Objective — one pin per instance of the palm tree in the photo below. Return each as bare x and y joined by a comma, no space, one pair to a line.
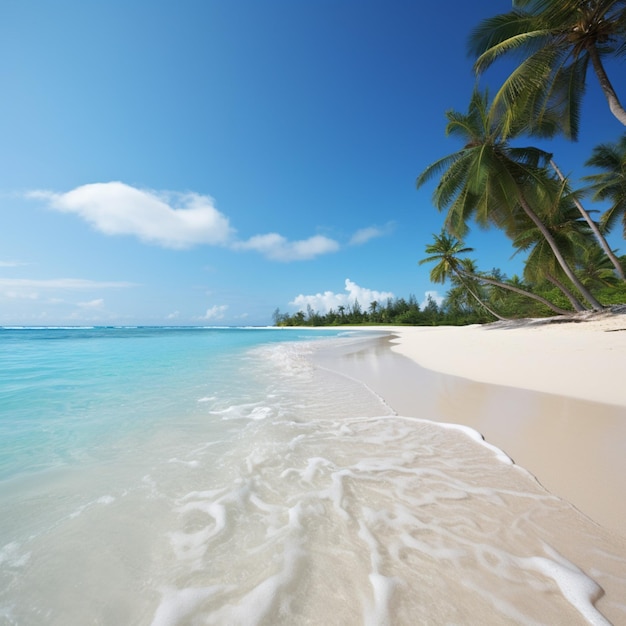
446,250
459,303
610,184
493,182
572,237
557,40
513,285
595,269
601,239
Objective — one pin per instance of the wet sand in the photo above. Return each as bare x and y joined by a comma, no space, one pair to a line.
572,443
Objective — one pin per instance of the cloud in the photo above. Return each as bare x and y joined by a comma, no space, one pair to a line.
215,312
11,264
277,248
92,304
173,316
372,232
172,220
434,295
323,302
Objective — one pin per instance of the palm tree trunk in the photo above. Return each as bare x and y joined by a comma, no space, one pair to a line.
528,294
594,227
559,257
478,299
614,104
568,294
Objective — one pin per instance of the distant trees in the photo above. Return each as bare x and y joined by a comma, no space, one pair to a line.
393,311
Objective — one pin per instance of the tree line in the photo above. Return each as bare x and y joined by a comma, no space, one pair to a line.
470,300
392,311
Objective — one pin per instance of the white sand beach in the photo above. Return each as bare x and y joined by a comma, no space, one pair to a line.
583,359
551,395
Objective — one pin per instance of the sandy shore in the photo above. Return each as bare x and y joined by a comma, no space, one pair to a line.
550,395
584,359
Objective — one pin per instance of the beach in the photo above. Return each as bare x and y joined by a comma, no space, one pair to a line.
549,393
303,476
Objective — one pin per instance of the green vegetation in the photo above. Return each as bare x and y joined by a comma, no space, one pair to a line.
393,311
499,179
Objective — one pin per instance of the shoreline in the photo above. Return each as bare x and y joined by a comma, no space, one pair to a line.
547,394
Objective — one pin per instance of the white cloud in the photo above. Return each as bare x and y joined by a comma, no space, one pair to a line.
11,263
434,295
92,304
215,312
173,220
372,232
323,302
277,248
173,316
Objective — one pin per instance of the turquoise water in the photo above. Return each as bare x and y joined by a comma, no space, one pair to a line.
175,477
68,394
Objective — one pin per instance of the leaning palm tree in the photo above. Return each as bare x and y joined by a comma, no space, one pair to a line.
514,286
599,235
610,183
572,236
492,182
557,40
446,251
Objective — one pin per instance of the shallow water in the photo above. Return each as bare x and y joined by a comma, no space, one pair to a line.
184,478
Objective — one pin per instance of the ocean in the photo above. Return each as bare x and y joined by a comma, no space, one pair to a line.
174,476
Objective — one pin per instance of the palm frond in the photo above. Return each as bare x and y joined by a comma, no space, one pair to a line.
515,32
453,180
520,92
435,169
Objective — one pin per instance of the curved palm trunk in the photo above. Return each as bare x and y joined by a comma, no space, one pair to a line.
567,293
559,257
614,104
478,299
528,294
594,227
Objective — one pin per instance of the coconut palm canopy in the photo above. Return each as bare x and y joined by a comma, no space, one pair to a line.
556,43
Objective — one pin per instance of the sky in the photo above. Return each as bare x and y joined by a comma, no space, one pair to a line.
205,162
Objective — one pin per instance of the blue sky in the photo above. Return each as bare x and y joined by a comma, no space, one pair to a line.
205,162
